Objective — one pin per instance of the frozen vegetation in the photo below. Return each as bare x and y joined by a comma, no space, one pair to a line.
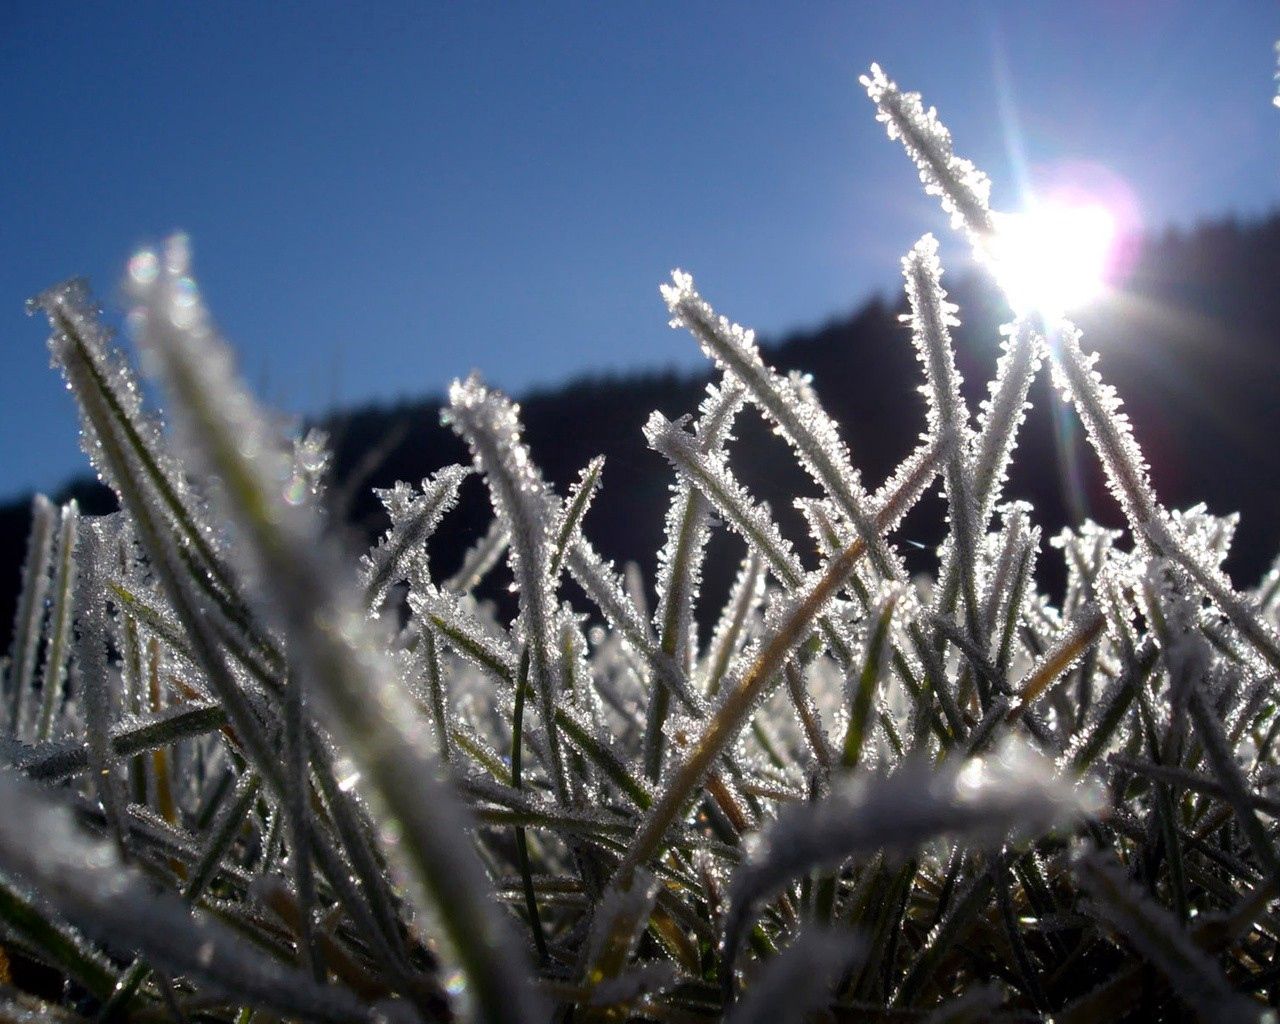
253,780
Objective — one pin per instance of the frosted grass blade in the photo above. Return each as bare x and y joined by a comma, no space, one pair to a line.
94,677
797,984
480,558
299,585
222,834
53,677
31,923
688,528
568,527
963,189
733,711
86,879
1003,412
981,800
744,601
30,611
1159,938
789,403
414,518
873,660
490,425
931,318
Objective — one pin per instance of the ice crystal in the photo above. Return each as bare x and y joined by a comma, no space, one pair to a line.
1156,936
30,611
414,517
1108,427
964,190
984,798
263,778
788,402
1002,414
730,499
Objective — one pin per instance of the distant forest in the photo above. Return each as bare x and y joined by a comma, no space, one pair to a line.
1192,345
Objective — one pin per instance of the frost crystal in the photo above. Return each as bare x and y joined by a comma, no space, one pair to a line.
964,190
30,610
414,518
1108,427
224,720
1002,415
788,402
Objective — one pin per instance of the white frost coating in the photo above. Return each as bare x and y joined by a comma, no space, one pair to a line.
606,587
1268,592
964,190
619,921
688,527
53,677
86,879
931,318
1070,644
482,556
635,983
82,349
1159,937
1002,414
489,422
1240,610
983,799
29,614
575,659
1108,428
906,485
1203,536
964,193
733,627
608,591
821,516
567,526
797,983
788,402
734,350
180,346
491,425
1087,551
474,637
1160,638
1012,566
93,554
415,513
1115,588
711,474
337,651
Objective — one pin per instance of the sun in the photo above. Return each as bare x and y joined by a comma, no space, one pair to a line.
1055,256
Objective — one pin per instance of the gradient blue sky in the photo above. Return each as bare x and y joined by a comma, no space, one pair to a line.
383,196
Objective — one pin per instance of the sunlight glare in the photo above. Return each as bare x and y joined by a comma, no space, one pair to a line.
1054,257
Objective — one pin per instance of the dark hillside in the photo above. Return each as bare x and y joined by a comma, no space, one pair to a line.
1193,347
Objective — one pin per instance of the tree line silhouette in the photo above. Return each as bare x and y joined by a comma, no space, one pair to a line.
1192,343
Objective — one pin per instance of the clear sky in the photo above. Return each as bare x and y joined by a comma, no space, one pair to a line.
382,196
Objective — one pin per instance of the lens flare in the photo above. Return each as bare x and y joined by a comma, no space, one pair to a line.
1054,257
1074,240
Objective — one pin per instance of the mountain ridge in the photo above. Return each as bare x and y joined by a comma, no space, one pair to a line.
1192,344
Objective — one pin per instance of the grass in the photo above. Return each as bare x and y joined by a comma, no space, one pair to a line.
251,780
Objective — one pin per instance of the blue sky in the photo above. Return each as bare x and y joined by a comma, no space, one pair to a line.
383,196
